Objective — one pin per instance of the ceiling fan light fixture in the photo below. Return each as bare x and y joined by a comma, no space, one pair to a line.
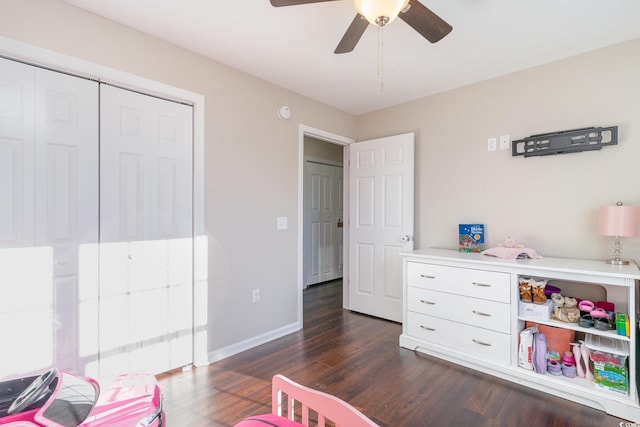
380,12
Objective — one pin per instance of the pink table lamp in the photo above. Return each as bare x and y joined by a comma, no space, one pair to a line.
619,221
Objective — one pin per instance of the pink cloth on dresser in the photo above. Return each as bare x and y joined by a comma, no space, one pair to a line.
511,253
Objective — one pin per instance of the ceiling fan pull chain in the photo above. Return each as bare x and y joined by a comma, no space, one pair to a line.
381,57
378,65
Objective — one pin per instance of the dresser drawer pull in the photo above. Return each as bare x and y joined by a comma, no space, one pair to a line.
427,328
427,302
482,343
426,276
479,313
482,285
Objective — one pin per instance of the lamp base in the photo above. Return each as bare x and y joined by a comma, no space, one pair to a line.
616,261
616,256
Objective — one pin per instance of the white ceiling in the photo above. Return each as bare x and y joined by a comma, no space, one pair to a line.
292,47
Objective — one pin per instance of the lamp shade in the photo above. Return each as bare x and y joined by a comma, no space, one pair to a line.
619,220
375,9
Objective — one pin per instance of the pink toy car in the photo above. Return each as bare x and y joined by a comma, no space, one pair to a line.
61,399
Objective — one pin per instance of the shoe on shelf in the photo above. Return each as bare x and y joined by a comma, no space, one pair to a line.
558,300
537,291
568,371
554,367
525,290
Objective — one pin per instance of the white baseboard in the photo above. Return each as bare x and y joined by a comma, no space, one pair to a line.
231,350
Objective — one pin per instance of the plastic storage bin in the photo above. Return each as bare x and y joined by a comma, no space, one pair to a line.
609,357
536,311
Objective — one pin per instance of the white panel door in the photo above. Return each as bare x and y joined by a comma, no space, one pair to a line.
48,219
66,159
146,255
17,148
26,295
323,222
380,223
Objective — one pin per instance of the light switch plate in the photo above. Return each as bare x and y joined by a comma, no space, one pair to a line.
505,140
491,144
282,223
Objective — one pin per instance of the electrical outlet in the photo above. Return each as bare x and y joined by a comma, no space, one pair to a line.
256,295
491,144
505,140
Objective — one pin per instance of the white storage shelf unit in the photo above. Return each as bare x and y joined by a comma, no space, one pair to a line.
463,307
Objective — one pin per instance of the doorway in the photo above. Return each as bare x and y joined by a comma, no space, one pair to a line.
323,211
320,147
372,268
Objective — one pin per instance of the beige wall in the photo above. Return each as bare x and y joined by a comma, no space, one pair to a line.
548,203
321,150
251,158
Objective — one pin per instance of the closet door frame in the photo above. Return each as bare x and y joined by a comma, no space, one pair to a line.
34,55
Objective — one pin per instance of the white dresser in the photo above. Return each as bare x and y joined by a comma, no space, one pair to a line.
463,307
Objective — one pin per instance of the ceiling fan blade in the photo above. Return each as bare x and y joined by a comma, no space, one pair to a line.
424,21
280,3
353,34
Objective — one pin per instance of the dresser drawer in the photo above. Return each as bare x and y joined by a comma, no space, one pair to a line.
489,285
477,342
471,311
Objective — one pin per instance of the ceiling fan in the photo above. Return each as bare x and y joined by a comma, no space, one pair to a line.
380,13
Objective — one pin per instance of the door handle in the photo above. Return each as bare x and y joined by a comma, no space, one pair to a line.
406,238
340,223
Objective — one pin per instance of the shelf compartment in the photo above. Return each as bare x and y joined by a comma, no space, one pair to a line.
575,327
576,383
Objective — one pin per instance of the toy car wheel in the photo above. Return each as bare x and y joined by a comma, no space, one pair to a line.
33,392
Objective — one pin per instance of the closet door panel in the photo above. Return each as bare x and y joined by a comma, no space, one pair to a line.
169,187
67,318
67,157
66,164
17,145
130,193
48,218
26,298
145,227
61,207
14,210
26,310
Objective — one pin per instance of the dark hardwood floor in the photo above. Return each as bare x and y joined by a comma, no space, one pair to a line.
358,359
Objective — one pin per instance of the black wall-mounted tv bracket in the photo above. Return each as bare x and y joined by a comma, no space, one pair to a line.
568,141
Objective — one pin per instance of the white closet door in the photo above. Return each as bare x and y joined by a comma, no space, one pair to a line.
17,146
323,222
25,314
48,219
66,162
146,259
